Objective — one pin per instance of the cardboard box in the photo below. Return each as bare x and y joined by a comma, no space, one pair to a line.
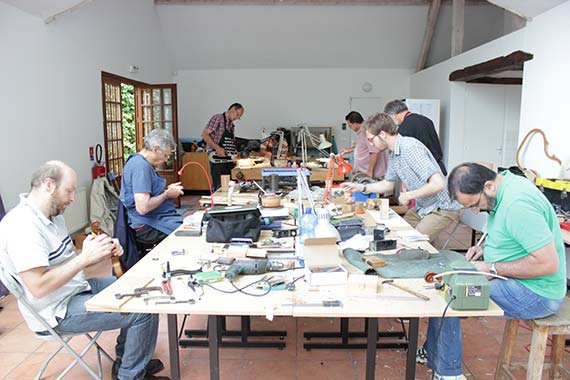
322,262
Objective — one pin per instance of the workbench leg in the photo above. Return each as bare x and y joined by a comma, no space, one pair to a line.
412,348
173,347
371,348
213,343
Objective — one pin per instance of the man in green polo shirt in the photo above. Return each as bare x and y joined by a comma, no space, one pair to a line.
524,244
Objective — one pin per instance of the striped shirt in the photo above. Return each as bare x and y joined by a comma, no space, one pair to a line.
217,127
413,164
28,239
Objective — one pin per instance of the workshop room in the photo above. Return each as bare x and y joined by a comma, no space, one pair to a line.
284,189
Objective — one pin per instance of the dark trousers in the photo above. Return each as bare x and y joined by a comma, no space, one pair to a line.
147,237
217,170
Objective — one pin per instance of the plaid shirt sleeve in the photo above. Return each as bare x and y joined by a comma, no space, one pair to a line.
216,127
391,174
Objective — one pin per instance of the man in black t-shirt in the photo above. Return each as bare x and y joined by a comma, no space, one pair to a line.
417,126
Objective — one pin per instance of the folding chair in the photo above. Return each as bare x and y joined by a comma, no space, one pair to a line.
50,334
477,222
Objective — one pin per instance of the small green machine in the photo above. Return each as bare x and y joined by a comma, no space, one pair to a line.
471,290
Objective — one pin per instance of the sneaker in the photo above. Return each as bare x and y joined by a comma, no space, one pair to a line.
153,366
436,376
421,355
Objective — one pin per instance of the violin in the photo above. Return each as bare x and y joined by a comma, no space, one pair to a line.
118,268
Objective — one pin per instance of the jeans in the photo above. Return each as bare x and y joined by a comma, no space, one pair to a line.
137,338
517,301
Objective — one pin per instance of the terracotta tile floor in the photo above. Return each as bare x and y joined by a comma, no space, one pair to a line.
21,353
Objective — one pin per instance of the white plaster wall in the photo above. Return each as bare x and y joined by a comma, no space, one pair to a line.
51,81
433,83
274,98
546,95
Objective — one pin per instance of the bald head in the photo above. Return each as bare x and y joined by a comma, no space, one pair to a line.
469,178
54,170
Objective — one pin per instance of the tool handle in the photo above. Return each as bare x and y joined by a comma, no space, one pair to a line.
413,292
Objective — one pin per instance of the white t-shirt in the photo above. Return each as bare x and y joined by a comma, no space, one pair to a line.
29,240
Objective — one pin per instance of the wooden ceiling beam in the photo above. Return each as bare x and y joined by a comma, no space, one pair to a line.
457,27
304,2
494,80
433,12
513,61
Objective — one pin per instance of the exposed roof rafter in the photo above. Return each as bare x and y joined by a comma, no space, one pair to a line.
303,2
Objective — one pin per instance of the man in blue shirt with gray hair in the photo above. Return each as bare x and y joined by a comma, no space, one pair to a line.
152,214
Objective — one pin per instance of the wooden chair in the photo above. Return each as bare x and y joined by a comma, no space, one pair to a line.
557,325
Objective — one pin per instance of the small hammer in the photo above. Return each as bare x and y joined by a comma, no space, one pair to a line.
412,292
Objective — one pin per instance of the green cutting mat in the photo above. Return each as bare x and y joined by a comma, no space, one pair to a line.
412,263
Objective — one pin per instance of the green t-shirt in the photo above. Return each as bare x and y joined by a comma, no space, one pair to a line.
524,221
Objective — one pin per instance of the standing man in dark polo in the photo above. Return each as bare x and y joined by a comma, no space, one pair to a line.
417,126
219,136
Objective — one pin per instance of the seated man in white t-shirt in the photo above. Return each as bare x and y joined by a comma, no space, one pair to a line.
36,248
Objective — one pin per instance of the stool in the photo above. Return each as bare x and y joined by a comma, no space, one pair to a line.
557,325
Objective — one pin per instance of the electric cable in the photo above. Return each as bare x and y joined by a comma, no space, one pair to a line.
241,290
438,335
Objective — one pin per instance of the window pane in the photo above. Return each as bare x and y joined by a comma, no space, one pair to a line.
146,97
168,126
167,113
167,96
117,93
157,113
156,96
146,113
119,131
147,128
118,149
157,125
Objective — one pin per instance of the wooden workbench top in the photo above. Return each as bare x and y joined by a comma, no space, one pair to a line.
389,302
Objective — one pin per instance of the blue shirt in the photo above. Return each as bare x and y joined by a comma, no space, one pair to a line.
139,176
413,164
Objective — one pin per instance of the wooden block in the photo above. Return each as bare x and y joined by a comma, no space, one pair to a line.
375,262
224,180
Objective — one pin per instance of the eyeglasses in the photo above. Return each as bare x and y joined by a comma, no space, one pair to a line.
371,139
477,204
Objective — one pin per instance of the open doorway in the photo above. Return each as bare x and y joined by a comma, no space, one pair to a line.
128,122
132,109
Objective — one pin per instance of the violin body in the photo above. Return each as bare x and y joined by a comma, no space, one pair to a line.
118,268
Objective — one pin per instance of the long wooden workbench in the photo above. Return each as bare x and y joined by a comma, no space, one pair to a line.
390,302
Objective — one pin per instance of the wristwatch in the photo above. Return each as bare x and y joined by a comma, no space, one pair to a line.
492,269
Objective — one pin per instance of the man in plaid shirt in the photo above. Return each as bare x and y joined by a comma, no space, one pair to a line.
411,162
219,136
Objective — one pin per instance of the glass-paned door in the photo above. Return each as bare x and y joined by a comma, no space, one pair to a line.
113,129
156,108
